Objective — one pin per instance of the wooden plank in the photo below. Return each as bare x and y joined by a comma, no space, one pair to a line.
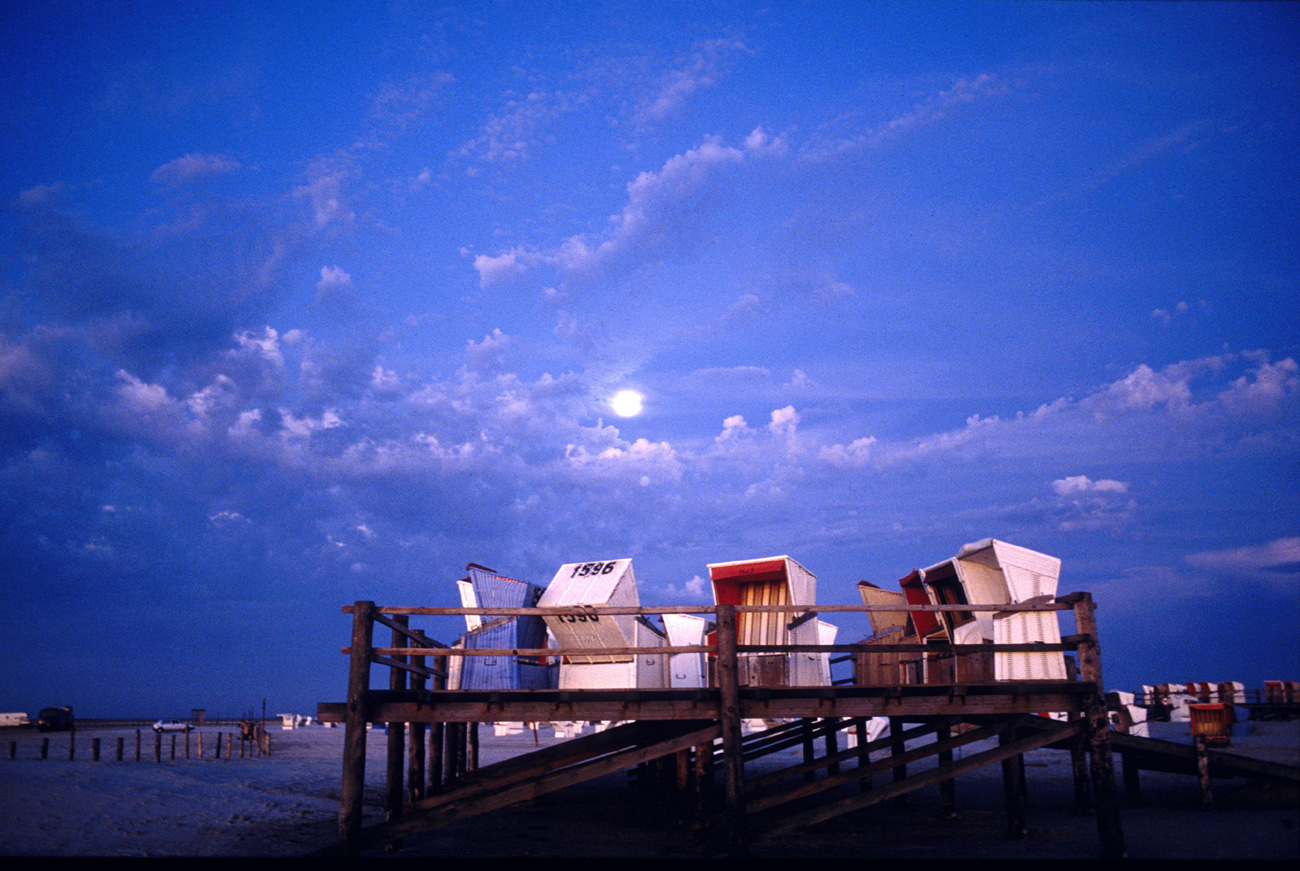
888,763
794,771
1151,753
478,797
988,757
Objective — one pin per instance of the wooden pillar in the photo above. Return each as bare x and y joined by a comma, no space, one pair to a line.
354,734
897,747
1203,772
864,755
806,732
1132,787
832,744
947,788
121,747
157,746
471,755
1013,789
437,732
1097,729
415,760
94,749
733,761
394,788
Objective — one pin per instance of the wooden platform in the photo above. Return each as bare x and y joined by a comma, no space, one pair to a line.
697,732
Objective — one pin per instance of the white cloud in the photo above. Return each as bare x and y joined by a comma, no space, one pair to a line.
656,202
185,169
784,422
331,277
1276,563
853,456
1084,484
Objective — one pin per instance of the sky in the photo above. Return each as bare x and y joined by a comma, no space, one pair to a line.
303,304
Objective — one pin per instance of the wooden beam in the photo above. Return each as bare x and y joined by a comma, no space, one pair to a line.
970,763
354,736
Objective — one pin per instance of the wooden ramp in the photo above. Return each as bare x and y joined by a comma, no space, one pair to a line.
534,774
773,812
1153,754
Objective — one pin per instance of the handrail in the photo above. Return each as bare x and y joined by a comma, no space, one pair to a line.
381,655
705,609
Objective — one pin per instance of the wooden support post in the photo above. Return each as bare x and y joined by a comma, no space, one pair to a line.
157,746
173,747
137,746
897,747
1097,728
864,755
437,734
729,714
45,748
94,750
471,756
702,783
1203,772
354,734
1079,766
1132,787
806,732
72,744
415,776
1013,789
121,747
394,787
832,745
947,788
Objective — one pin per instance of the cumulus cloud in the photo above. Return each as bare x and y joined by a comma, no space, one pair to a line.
852,456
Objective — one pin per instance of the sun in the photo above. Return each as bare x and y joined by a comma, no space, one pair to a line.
626,403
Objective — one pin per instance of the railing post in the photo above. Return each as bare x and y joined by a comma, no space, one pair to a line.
733,761
415,789
1105,793
394,787
354,735
437,732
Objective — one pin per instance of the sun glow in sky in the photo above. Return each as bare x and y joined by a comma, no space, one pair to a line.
627,403
308,303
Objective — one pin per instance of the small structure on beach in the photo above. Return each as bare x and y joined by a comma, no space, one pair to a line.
604,583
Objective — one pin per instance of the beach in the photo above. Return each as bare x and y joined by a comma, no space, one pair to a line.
286,804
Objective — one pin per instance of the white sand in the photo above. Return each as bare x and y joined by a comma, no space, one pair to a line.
287,805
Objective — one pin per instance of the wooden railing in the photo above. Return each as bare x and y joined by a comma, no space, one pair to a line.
409,657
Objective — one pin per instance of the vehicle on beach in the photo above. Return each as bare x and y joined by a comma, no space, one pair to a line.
54,719
171,726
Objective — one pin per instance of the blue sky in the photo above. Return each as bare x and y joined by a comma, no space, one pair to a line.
307,303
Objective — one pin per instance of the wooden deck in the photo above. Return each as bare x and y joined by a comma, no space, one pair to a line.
433,776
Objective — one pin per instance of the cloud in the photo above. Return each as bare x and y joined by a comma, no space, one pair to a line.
705,67
1085,504
184,170
929,111
657,204
855,455
1276,563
